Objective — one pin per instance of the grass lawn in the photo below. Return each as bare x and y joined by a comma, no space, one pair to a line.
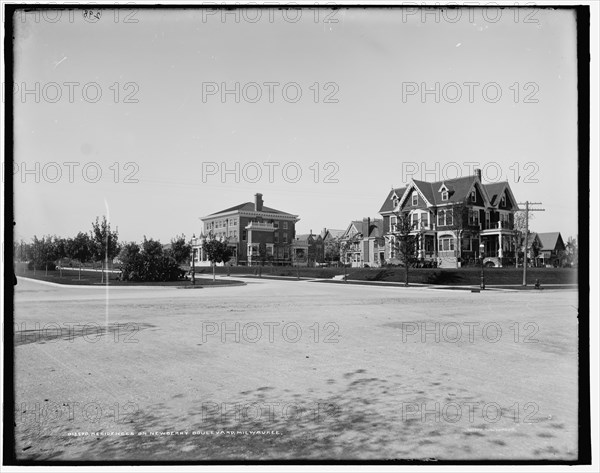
434,276
445,277
71,278
467,276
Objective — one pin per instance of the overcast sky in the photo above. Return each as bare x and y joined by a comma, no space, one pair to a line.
366,114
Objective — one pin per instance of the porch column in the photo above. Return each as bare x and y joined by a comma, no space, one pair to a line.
500,245
421,246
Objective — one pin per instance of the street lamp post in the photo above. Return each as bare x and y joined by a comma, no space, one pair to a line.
193,275
481,250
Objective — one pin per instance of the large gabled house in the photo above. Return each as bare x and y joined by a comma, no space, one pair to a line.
452,218
363,244
256,233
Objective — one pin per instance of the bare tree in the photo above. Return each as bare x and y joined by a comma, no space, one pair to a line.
520,239
404,242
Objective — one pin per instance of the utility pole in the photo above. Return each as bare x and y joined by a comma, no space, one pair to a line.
527,210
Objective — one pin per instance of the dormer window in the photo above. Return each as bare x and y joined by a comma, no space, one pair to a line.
415,198
473,196
395,202
503,201
444,195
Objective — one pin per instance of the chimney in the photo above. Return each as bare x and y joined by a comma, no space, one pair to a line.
366,224
478,174
258,202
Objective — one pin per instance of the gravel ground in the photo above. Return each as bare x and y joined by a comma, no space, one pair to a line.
294,370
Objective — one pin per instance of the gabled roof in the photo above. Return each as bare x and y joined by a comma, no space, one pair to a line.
388,205
533,236
375,228
332,232
249,206
303,236
458,190
551,240
494,191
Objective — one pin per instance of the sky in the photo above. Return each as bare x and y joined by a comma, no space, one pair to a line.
158,149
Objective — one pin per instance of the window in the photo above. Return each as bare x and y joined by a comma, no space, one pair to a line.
473,217
466,244
285,225
446,243
445,195
285,236
503,201
415,198
415,220
276,240
244,235
444,217
276,224
393,221
473,196
425,220
395,202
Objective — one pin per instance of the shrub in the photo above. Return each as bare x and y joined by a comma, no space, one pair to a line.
150,264
40,265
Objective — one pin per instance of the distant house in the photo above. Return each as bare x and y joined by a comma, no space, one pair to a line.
534,245
331,234
362,244
552,249
331,244
308,249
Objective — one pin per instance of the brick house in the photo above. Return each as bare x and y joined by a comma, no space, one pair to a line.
363,243
451,218
250,228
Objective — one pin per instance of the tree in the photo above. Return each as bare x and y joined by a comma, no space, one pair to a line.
105,242
43,254
80,248
460,222
60,251
216,251
404,243
332,249
571,252
129,251
148,262
180,249
263,257
521,240
462,225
